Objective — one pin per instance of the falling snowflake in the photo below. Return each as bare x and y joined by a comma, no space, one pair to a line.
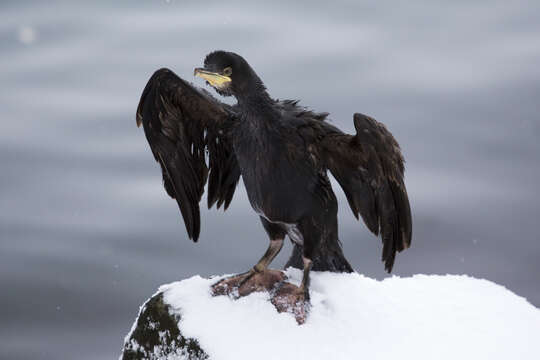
27,35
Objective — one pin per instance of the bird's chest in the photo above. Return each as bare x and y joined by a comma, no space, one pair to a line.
261,161
269,162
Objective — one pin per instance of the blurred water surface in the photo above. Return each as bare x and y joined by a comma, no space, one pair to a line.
86,230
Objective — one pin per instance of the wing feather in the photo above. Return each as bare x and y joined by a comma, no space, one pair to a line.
181,124
370,169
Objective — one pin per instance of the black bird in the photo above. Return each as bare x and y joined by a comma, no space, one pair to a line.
282,152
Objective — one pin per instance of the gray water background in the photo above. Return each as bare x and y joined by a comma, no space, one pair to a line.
86,230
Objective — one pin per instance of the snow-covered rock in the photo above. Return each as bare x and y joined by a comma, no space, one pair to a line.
352,317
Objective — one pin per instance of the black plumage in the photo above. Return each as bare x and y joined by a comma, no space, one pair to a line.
282,152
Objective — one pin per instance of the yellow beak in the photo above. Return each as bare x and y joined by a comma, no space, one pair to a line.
215,79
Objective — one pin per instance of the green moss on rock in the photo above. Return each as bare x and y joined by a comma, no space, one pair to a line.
156,335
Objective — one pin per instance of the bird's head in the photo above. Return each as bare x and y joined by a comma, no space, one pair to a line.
229,74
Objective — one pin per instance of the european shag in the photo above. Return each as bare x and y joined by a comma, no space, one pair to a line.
283,152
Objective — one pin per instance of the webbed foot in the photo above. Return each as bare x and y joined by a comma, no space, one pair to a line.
244,284
294,300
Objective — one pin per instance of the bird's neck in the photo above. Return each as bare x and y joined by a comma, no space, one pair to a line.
254,97
257,103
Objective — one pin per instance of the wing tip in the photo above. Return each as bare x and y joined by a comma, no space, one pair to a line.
392,246
388,256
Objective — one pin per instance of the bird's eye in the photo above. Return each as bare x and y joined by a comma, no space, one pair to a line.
227,71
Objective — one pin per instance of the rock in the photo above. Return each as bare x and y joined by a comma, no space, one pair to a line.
155,335
350,316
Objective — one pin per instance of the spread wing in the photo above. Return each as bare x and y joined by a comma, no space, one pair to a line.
369,168
180,123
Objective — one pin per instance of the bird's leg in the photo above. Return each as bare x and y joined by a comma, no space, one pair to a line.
303,290
272,251
295,299
247,282
311,241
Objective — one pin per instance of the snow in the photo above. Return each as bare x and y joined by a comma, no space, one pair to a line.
352,317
